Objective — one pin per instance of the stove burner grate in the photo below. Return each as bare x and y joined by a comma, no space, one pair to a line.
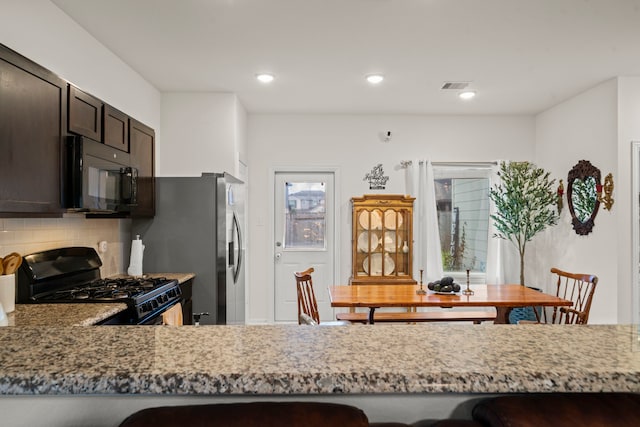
110,289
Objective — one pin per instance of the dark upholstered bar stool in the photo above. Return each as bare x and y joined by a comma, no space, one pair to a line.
258,414
560,409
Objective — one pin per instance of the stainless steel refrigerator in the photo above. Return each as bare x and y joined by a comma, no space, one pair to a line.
198,228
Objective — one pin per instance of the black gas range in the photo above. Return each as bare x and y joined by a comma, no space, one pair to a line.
72,275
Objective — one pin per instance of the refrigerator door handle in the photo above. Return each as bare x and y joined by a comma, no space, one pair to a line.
237,253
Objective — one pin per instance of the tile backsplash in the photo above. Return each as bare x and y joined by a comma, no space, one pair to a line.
28,235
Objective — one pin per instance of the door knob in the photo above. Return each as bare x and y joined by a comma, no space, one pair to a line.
278,255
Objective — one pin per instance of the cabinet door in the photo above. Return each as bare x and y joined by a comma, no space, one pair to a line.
116,128
142,148
32,122
85,114
187,302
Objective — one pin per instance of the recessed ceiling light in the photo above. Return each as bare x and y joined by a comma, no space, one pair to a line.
375,78
265,77
467,94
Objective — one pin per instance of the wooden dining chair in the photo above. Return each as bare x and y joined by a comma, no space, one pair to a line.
307,304
579,289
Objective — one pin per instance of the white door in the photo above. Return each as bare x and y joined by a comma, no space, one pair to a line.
635,225
304,237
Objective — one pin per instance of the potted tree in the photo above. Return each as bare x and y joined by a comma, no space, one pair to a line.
525,202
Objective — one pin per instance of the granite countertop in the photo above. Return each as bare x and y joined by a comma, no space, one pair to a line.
83,314
293,359
181,277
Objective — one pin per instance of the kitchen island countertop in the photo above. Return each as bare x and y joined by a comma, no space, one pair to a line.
293,359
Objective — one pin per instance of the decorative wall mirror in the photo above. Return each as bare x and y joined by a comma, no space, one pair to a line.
582,196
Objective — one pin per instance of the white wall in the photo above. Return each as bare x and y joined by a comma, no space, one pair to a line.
628,131
352,144
583,128
39,30
241,142
202,132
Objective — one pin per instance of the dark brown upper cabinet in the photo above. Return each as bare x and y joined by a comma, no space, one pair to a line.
142,148
115,128
85,114
33,119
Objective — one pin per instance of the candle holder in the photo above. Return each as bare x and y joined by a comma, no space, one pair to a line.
467,291
421,291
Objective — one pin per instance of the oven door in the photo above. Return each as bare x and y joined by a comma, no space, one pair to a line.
129,317
154,320
156,317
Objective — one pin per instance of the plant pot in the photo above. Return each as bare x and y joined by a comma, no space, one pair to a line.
525,313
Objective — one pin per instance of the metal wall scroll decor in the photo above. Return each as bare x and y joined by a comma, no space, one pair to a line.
377,179
607,199
560,192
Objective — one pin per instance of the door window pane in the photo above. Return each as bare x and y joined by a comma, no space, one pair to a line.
305,212
463,217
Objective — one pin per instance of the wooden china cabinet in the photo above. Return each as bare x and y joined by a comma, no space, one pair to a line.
382,239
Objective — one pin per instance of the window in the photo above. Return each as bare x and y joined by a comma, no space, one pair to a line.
305,215
462,199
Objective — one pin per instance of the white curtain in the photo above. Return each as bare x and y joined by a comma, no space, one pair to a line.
495,274
427,254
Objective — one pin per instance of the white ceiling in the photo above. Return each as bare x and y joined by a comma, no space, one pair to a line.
521,56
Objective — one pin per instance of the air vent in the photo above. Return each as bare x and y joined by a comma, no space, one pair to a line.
455,85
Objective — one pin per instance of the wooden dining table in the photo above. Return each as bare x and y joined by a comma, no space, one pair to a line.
503,297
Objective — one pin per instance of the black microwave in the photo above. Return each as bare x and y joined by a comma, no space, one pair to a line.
98,178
